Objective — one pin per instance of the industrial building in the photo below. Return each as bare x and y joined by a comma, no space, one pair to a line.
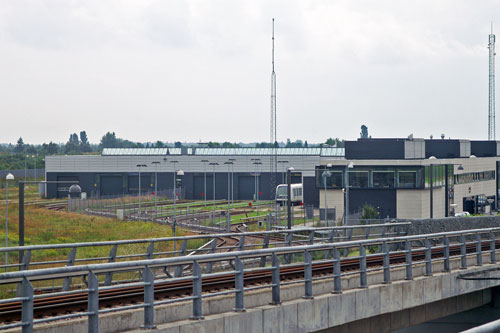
412,178
401,178
116,171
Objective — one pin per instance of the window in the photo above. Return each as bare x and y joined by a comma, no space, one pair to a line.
407,179
358,179
383,179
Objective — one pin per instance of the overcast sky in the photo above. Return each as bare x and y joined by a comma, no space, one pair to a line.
200,70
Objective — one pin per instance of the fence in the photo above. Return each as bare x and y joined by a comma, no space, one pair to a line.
304,257
145,248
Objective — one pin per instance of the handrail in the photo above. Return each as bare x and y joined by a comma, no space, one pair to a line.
196,274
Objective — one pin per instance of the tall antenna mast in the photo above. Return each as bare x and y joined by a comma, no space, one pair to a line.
272,138
491,92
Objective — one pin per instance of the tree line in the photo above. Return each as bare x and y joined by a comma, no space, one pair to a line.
16,156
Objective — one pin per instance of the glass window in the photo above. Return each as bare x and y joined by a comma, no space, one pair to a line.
358,179
383,179
407,179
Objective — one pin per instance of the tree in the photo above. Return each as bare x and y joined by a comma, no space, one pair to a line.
109,140
84,143
19,148
159,144
73,145
364,132
330,142
51,148
306,145
178,144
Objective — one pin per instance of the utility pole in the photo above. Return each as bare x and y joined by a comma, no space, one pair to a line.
273,134
491,91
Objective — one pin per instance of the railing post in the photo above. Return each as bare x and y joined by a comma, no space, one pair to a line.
150,251
337,282
288,243
311,237
463,253
27,306
178,268
349,238
446,243
112,257
241,243
213,246
26,261
71,262
239,286
308,275
479,250
264,246
408,261
387,263
428,258
197,278
149,298
93,303
276,296
362,267
493,258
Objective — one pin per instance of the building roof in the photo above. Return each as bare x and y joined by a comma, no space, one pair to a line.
328,152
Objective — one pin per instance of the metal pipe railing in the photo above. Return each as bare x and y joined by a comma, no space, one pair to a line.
239,258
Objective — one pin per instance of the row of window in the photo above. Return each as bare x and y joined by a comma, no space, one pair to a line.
383,177
473,177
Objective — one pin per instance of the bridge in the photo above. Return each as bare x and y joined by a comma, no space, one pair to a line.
369,284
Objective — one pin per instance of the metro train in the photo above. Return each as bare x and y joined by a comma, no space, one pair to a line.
296,195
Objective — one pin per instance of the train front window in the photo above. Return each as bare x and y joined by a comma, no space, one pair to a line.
281,191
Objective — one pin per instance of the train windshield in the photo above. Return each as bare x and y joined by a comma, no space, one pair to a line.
281,191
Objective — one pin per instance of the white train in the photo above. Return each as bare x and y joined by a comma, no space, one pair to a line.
281,194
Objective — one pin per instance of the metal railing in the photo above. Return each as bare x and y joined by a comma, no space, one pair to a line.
306,256
264,239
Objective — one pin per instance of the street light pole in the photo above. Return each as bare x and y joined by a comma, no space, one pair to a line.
346,218
140,199
214,164
156,185
326,174
232,179
205,181
228,217
289,196
283,170
174,224
7,178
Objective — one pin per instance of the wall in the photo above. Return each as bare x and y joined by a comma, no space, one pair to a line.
427,226
335,199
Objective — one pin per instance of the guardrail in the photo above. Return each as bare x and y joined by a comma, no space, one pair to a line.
286,237
329,253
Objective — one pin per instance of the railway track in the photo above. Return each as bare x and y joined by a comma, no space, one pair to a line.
56,305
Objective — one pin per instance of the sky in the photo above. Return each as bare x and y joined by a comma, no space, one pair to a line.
195,71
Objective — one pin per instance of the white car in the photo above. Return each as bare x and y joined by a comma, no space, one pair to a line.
462,214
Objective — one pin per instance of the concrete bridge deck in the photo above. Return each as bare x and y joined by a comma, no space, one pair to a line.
378,308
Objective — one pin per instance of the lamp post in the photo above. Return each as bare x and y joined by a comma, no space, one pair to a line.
326,174
205,181
140,166
283,170
346,216
156,185
7,178
228,217
176,173
214,164
36,156
289,196
233,160
25,166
